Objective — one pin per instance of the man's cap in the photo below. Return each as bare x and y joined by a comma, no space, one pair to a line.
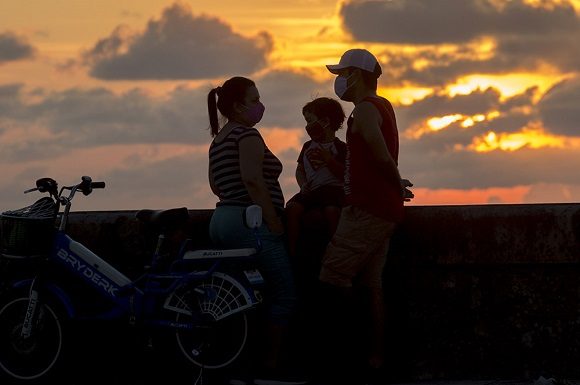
357,58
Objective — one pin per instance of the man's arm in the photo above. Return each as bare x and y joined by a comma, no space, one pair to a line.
367,124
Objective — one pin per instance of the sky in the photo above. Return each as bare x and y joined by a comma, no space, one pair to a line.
486,92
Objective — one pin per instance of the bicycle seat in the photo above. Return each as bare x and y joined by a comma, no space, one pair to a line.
163,217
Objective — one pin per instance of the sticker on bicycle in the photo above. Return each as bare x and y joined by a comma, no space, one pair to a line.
254,276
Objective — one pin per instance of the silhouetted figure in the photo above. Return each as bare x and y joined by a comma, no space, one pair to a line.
242,172
374,198
320,171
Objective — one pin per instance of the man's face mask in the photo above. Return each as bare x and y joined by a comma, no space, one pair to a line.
341,85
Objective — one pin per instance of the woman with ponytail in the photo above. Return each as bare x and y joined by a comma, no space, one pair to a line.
243,172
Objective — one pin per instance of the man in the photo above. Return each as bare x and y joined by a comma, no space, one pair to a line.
374,193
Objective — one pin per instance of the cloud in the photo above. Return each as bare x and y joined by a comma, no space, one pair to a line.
143,178
285,93
453,21
441,68
84,118
517,36
9,100
559,108
14,47
177,181
87,118
470,170
479,101
179,45
443,159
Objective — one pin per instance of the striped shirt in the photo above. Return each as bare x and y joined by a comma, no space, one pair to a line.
224,164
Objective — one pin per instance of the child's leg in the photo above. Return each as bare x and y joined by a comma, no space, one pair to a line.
331,215
294,211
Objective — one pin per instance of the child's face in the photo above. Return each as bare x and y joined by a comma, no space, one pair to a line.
318,129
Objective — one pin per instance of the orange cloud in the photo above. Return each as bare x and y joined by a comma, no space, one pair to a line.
438,123
282,139
533,136
405,95
508,85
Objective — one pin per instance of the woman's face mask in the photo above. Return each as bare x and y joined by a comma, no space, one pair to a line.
341,85
254,113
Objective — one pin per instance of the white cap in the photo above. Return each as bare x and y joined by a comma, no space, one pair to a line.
357,58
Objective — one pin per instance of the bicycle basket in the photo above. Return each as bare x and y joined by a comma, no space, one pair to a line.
28,231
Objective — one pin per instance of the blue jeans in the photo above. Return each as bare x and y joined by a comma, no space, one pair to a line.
227,229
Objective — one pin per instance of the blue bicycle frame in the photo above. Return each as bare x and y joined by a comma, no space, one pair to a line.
200,296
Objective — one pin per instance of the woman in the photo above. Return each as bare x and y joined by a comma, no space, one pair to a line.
242,172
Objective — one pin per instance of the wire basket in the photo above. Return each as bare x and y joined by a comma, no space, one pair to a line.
29,231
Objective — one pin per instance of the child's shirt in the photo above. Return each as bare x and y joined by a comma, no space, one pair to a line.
321,175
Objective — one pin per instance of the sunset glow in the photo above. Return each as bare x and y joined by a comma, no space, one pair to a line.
508,85
441,122
473,196
438,123
406,95
532,138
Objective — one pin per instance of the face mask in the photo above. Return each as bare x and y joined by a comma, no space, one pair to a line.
341,85
254,114
315,129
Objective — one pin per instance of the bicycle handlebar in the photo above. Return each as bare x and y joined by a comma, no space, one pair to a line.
98,184
51,186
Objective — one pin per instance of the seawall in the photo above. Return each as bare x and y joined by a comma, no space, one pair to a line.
489,291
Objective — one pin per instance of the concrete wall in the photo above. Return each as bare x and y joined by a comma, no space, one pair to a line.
493,290
472,291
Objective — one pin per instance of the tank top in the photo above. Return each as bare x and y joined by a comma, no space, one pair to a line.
365,184
322,176
224,163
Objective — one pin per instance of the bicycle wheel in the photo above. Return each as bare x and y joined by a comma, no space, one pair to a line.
220,323
28,359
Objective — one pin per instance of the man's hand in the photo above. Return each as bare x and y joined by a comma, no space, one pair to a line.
405,192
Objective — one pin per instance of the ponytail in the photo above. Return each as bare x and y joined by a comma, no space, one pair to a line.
212,111
223,98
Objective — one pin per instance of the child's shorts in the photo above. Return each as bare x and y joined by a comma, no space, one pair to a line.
321,197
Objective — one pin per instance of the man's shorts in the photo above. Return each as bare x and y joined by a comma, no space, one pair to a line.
358,249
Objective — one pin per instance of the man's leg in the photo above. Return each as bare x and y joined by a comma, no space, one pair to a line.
335,334
340,263
371,278
377,312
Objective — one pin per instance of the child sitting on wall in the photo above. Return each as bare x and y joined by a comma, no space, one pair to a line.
320,169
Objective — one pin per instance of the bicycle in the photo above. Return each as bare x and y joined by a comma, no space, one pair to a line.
202,297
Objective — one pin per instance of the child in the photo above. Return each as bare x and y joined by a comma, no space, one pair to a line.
320,170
